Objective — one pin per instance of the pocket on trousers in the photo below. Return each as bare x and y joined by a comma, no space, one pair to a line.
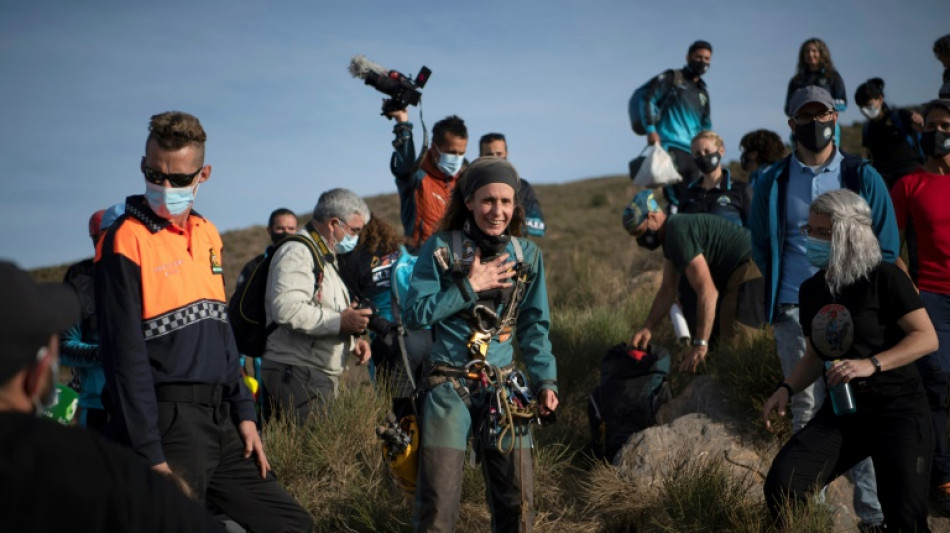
167,415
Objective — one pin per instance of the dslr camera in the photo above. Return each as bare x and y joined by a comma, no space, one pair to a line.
402,90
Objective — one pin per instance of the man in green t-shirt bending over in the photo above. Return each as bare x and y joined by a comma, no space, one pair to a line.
716,257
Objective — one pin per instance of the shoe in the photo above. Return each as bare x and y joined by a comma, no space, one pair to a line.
864,527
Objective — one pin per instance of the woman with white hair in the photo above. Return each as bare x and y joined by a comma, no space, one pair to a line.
863,320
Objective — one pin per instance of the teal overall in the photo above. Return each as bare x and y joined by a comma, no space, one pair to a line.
454,408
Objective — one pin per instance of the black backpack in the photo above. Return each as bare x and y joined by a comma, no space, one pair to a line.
246,311
630,392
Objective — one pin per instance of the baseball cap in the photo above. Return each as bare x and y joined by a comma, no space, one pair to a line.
111,215
636,212
30,313
809,94
95,221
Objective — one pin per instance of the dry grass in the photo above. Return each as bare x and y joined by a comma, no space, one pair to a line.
600,286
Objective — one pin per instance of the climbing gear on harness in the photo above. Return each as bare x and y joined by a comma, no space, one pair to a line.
400,449
485,321
510,399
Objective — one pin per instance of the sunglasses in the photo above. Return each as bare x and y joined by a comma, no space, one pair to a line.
177,180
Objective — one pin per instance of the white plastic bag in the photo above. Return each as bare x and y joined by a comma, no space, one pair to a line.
656,168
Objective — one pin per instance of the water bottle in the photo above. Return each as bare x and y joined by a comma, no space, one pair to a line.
842,401
679,324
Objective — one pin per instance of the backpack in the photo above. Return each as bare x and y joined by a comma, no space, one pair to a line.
637,103
633,386
414,345
912,138
246,312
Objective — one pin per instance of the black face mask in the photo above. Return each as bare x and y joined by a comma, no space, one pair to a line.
649,239
935,143
276,237
698,67
744,162
707,163
815,135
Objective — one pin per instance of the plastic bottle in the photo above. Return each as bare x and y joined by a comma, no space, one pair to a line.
679,324
842,401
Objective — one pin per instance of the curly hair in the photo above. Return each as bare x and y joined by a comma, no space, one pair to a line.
379,237
855,250
766,144
824,56
457,212
173,130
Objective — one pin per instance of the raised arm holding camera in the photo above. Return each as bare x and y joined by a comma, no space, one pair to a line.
425,184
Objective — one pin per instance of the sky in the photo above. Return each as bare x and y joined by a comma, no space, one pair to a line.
286,121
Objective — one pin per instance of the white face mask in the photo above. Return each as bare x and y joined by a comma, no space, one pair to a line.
871,112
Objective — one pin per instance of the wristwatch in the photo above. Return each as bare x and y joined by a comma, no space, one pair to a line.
876,363
786,386
700,342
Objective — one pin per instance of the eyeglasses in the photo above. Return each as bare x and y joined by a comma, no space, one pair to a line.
354,231
820,233
177,180
808,118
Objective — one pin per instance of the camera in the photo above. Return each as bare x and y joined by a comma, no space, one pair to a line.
402,90
366,303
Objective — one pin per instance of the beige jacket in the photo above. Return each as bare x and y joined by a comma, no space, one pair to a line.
308,332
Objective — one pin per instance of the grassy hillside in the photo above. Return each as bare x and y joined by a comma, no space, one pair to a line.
600,285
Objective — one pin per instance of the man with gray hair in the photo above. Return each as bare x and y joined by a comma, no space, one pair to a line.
316,323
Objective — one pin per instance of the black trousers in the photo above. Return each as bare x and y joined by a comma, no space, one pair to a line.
898,444
683,161
201,443
936,383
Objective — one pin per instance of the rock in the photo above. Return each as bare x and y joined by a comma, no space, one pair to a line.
649,455
701,395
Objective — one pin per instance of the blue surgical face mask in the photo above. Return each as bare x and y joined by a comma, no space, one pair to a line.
169,201
450,164
818,252
347,244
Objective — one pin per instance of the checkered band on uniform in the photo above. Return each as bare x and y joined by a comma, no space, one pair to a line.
179,318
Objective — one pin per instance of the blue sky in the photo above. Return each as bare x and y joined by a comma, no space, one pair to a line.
286,121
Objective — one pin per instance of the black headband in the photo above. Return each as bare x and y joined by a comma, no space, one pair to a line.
485,170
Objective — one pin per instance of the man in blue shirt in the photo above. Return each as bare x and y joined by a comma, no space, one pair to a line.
779,210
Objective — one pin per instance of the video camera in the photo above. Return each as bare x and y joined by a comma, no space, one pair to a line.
403,91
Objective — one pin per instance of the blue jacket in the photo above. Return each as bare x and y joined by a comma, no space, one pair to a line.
437,299
767,220
676,112
79,345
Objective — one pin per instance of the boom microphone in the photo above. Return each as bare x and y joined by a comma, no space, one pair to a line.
403,91
360,67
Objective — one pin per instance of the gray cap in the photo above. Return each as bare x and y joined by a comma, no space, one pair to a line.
809,94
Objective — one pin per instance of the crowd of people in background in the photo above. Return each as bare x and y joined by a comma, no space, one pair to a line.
810,244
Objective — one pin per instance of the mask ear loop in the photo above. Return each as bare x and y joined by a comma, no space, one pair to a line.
41,404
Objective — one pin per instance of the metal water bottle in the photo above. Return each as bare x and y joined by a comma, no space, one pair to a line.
842,401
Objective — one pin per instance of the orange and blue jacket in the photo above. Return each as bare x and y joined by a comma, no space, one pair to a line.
163,319
424,190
